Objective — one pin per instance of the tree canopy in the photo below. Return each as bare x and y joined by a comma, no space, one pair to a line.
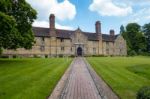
146,30
135,38
122,29
16,18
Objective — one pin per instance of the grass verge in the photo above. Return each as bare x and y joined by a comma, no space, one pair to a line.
125,75
30,78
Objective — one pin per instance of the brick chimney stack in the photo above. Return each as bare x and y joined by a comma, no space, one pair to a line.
52,21
52,25
98,27
112,32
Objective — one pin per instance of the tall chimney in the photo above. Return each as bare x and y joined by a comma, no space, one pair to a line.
52,25
112,32
52,21
98,27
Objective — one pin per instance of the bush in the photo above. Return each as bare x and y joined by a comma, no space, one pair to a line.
145,54
60,55
98,56
132,53
46,56
1,50
144,93
72,56
36,56
3,56
15,56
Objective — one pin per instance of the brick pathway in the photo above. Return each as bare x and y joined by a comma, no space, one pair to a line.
80,81
80,84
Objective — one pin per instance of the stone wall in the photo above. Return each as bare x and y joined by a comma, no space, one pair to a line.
52,46
120,46
116,48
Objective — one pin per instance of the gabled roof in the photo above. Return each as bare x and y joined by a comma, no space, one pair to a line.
40,31
64,33
108,38
91,36
44,32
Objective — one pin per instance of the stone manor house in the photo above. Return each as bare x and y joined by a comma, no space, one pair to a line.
58,42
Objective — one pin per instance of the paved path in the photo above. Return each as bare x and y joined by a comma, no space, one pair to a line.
80,81
80,84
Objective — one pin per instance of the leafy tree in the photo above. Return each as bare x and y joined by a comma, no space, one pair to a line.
146,30
122,29
16,18
136,41
8,33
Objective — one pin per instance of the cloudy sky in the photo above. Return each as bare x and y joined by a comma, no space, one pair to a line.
71,14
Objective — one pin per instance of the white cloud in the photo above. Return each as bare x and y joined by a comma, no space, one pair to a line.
41,24
64,10
141,16
46,24
58,26
108,8
137,3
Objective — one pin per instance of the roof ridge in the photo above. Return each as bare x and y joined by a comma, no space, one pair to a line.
39,27
65,30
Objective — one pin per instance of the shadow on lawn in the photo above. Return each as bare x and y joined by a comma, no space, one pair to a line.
141,70
5,62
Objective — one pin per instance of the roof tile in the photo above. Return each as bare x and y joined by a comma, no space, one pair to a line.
44,32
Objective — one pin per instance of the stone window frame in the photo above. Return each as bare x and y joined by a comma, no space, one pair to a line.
107,51
43,40
71,49
94,50
42,48
107,43
62,48
61,40
120,50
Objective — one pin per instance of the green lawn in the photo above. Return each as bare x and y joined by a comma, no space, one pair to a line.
30,78
124,74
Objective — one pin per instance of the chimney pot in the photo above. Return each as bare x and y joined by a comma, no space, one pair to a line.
52,21
98,27
112,32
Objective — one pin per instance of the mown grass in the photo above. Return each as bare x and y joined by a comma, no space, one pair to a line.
30,78
125,75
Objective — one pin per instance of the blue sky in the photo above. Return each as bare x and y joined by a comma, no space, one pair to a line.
71,14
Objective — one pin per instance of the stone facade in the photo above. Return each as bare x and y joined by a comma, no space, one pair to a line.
57,42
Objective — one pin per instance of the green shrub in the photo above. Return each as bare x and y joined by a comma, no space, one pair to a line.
132,53
3,56
15,56
145,54
1,50
72,56
36,56
144,93
46,56
60,55
98,56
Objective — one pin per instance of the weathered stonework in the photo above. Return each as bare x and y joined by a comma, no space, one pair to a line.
52,42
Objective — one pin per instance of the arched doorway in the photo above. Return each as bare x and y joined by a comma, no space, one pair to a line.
79,51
